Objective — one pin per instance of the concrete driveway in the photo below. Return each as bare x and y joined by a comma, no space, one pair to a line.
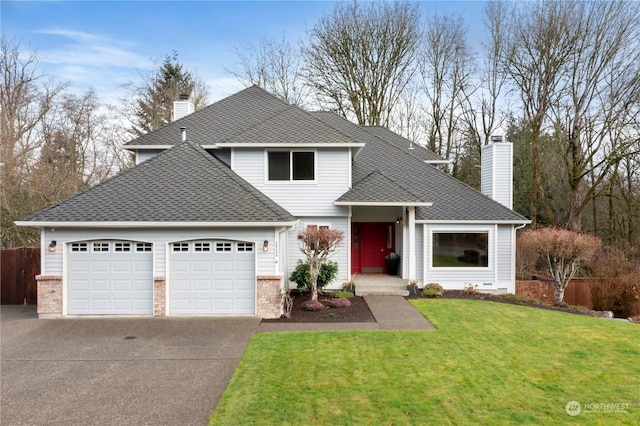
116,371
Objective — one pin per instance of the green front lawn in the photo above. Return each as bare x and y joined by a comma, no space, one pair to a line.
488,363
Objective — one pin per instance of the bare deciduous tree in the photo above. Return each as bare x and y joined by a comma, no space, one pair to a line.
446,67
275,65
542,40
317,244
360,58
26,98
53,143
562,251
602,81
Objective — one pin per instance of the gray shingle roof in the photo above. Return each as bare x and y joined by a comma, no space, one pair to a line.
403,143
249,116
219,121
377,188
452,200
186,184
182,184
291,126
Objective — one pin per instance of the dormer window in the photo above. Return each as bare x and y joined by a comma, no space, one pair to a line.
291,165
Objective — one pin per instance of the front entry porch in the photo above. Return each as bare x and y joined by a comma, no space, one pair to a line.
367,284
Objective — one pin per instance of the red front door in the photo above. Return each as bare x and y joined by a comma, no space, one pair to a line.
370,243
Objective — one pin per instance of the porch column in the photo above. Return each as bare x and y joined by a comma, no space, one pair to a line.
411,222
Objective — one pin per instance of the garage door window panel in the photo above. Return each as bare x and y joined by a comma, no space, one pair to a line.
122,247
100,247
78,247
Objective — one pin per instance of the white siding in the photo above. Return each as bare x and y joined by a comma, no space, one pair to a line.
505,257
419,252
341,257
300,198
144,155
497,172
160,238
486,172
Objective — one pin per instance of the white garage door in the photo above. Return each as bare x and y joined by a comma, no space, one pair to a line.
212,277
110,277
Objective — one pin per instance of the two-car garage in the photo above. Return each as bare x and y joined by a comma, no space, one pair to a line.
205,277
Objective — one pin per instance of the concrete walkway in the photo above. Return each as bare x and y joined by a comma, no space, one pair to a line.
391,313
395,313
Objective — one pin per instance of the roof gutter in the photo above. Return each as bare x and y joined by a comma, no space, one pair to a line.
481,222
125,224
136,147
384,203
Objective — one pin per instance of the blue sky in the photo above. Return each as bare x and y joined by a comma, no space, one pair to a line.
105,44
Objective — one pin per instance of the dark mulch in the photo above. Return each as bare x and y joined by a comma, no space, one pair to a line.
357,312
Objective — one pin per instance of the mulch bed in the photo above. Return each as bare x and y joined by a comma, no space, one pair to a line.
357,312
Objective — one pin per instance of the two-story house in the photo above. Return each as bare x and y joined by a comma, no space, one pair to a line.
206,222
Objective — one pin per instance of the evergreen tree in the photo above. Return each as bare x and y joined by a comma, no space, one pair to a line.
153,99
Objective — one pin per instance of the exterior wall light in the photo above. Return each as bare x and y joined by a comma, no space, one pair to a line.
265,246
53,246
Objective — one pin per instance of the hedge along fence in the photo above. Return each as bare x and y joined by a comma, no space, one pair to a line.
577,293
620,295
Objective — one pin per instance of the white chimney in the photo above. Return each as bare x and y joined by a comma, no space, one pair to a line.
182,107
497,170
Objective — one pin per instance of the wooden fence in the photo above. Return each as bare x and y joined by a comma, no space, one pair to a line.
18,270
577,293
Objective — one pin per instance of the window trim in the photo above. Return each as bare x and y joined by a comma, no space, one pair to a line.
490,252
291,180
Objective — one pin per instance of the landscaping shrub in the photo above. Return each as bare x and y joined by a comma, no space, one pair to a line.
620,295
338,303
617,287
432,290
342,294
302,277
313,305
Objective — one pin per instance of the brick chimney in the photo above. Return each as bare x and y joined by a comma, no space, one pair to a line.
182,107
497,170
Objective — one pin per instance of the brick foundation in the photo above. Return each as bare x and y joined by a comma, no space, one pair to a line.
49,296
269,293
159,296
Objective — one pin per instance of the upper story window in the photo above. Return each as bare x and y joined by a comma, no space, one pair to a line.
291,165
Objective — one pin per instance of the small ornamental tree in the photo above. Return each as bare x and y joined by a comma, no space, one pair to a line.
562,251
317,244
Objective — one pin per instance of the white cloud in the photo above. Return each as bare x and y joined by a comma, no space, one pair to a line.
91,61
92,50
